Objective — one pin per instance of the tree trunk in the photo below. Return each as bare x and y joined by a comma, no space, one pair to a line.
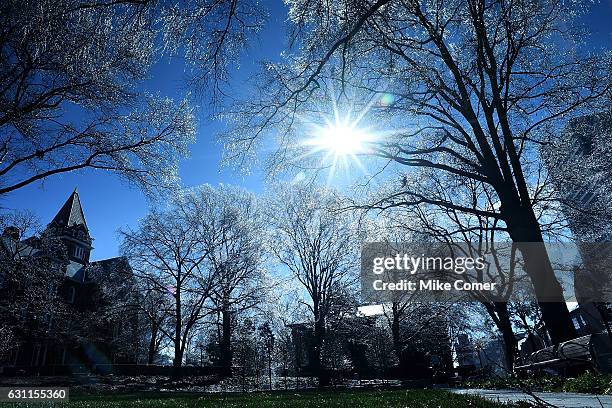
396,337
177,363
319,335
270,368
226,340
500,316
395,332
152,343
525,231
505,327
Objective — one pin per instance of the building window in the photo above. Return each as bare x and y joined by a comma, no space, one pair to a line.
576,322
79,252
71,294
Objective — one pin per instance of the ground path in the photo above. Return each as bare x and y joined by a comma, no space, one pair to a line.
558,399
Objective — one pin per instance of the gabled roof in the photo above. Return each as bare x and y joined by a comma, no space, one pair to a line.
71,212
113,264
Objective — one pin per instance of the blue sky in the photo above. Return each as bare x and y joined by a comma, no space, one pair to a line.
110,204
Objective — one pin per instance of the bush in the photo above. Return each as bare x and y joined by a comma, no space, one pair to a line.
589,383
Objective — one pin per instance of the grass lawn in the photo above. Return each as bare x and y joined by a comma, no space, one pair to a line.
304,399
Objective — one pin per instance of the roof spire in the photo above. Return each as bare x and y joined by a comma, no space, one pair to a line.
71,212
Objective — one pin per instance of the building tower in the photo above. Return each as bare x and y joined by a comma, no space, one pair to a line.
70,227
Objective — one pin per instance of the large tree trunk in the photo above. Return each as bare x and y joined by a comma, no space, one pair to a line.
523,227
226,341
177,363
319,336
500,316
505,327
397,338
395,333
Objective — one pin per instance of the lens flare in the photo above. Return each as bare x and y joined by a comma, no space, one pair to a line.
386,100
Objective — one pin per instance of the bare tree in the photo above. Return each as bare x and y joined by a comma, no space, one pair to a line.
72,91
317,247
235,238
475,235
31,272
153,307
475,87
414,319
168,251
205,253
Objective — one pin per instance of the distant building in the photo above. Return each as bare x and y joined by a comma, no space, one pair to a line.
86,289
466,355
587,210
492,356
580,184
487,357
359,353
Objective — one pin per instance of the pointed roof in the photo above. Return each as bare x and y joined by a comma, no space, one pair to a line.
71,212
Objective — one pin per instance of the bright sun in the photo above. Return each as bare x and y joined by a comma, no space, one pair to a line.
342,139
339,139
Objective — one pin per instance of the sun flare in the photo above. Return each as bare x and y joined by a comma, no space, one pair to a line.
339,142
339,139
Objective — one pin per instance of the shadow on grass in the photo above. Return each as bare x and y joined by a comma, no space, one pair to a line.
301,399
